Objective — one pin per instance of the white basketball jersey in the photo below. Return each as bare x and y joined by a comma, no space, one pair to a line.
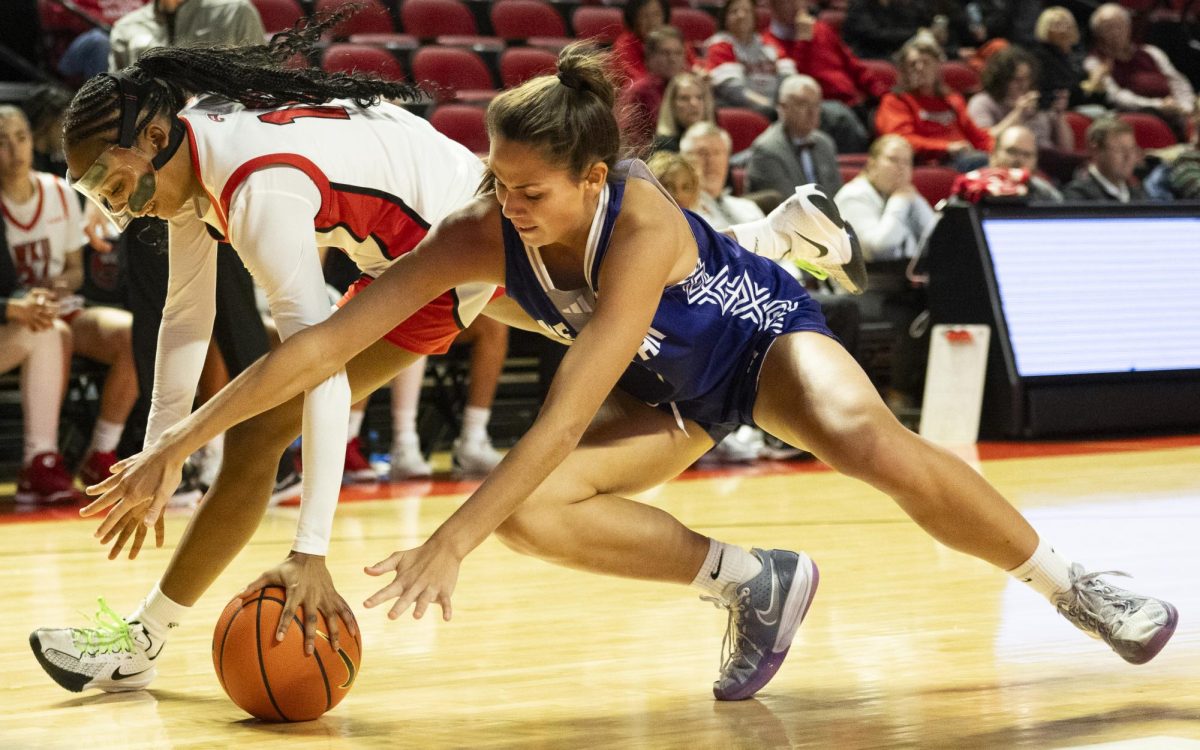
384,174
41,231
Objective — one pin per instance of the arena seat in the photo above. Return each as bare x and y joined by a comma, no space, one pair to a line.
463,123
350,58
454,74
743,125
519,64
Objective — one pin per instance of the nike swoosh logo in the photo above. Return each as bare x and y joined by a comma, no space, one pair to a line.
720,559
822,251
119,675
351,672
770,615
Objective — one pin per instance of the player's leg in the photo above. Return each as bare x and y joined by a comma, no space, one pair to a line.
579,518
814,395
473,453
407,459
103,334
118,654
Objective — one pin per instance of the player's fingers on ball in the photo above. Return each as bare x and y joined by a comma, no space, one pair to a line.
335,635
347,616
310,628
285,619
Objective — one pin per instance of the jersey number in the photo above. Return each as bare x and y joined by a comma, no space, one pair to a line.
291,114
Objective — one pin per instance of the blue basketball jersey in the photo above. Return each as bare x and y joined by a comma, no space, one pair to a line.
703,350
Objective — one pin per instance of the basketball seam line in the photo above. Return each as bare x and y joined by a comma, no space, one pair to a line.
262,667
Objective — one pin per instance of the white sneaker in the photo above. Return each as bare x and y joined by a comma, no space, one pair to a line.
113,655
821,242
207,461
742,446
1135,626
474,457
407,461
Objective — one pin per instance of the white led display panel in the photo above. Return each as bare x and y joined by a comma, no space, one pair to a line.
1097,294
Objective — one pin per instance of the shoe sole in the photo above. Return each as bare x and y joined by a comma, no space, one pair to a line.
62,497
795,609
360,476
1160,639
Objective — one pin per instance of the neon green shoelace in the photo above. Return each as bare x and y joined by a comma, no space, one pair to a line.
811,268
109,633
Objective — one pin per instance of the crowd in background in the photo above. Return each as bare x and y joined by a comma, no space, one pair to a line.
856,98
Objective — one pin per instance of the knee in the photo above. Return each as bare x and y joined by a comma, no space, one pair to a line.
863,446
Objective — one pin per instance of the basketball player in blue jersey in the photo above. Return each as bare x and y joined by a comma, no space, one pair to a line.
677,335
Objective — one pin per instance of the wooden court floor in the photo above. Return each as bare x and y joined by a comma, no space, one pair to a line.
907,645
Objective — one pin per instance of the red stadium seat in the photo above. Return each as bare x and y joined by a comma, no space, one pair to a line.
960,77
1079,125
519,64
852,160
357,58
934,182
1148,130
373,18
278,15
743,125
883,69
521,19
427,19
463,123
601,24
695,25
453,74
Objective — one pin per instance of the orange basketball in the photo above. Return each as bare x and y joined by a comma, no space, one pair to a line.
272,679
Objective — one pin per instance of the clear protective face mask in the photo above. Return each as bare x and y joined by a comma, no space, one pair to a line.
123,180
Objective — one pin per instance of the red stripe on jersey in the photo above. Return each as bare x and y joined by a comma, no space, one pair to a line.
37,214
362,212
222,215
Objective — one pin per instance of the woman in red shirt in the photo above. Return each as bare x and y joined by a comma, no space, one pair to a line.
931,117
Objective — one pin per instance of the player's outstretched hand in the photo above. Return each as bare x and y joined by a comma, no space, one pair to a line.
309,590
424,575
132,525
137,491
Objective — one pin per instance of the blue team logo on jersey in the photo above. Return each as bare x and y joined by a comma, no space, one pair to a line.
738,295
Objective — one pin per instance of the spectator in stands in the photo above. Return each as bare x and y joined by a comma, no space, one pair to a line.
1140,77
878,28
1115,155
888,214
745,70
1009,21
1016,148
891,220
665,59
687,100
931,117
818,51
642,17
793,151
708,147
677,175
1010,96
44,110
43,235
1061,62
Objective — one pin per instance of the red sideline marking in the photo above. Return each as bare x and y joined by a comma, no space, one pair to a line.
12,513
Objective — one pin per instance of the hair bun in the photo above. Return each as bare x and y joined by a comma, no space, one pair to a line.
572,80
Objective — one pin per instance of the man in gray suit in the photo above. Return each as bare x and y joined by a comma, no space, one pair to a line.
792,151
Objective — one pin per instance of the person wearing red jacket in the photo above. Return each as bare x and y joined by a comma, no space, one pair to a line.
629,48
931,117
848,87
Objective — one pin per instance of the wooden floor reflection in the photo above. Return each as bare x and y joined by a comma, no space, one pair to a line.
907,645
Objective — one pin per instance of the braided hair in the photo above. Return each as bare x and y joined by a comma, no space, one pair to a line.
255,75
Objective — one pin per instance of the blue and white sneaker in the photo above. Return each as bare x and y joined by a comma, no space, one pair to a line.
1136,627
112,655
763,618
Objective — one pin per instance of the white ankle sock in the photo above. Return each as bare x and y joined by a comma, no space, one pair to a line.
106,435
1046,572
159,614
725,566
475,422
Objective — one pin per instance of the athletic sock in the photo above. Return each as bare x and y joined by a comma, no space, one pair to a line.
159,614
106,435
475,422
1046,572
356,420
725,566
